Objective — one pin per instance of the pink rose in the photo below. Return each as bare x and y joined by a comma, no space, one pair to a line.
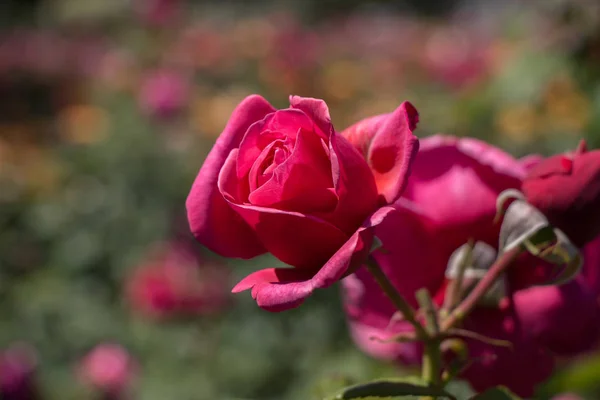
108,368
175,281
451,198
284,182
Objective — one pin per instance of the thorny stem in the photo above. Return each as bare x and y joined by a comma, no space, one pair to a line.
467,305
397,299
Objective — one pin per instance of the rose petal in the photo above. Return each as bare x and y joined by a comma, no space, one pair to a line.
407,260
281,289
389,146
302,183
282,124
317,110
591,266
565,318
519,368
294,238
354,185
470,175
211,220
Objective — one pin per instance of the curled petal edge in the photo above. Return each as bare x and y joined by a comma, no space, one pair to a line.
279,289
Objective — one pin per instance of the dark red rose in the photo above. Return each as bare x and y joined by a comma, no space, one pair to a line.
566,189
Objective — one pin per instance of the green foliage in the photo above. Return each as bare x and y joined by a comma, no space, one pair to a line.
498,393
390,388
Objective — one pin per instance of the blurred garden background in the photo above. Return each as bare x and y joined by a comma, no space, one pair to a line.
107,110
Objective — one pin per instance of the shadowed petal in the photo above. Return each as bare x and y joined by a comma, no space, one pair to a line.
281,289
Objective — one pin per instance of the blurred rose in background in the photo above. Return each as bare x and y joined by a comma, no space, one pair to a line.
109,369
17,369
176,281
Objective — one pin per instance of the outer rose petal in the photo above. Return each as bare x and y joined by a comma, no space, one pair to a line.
407,261
565,319
317,110
281,289
520,368
389,146
457,181
211,220
296,239
354,185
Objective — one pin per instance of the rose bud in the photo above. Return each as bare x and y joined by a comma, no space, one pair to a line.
109,369
284,182
566,189
17,367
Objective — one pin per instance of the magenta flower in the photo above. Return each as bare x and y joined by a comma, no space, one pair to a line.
163,93
109,369
284,182
175,281
17,367
450,199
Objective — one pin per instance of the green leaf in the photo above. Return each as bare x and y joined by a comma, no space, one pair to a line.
497,393
410,386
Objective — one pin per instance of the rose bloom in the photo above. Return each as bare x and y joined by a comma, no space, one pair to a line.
284,182
17,367
108,368
176,281
451,198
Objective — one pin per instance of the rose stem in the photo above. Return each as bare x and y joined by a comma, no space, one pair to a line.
465,307
432,357
397,299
